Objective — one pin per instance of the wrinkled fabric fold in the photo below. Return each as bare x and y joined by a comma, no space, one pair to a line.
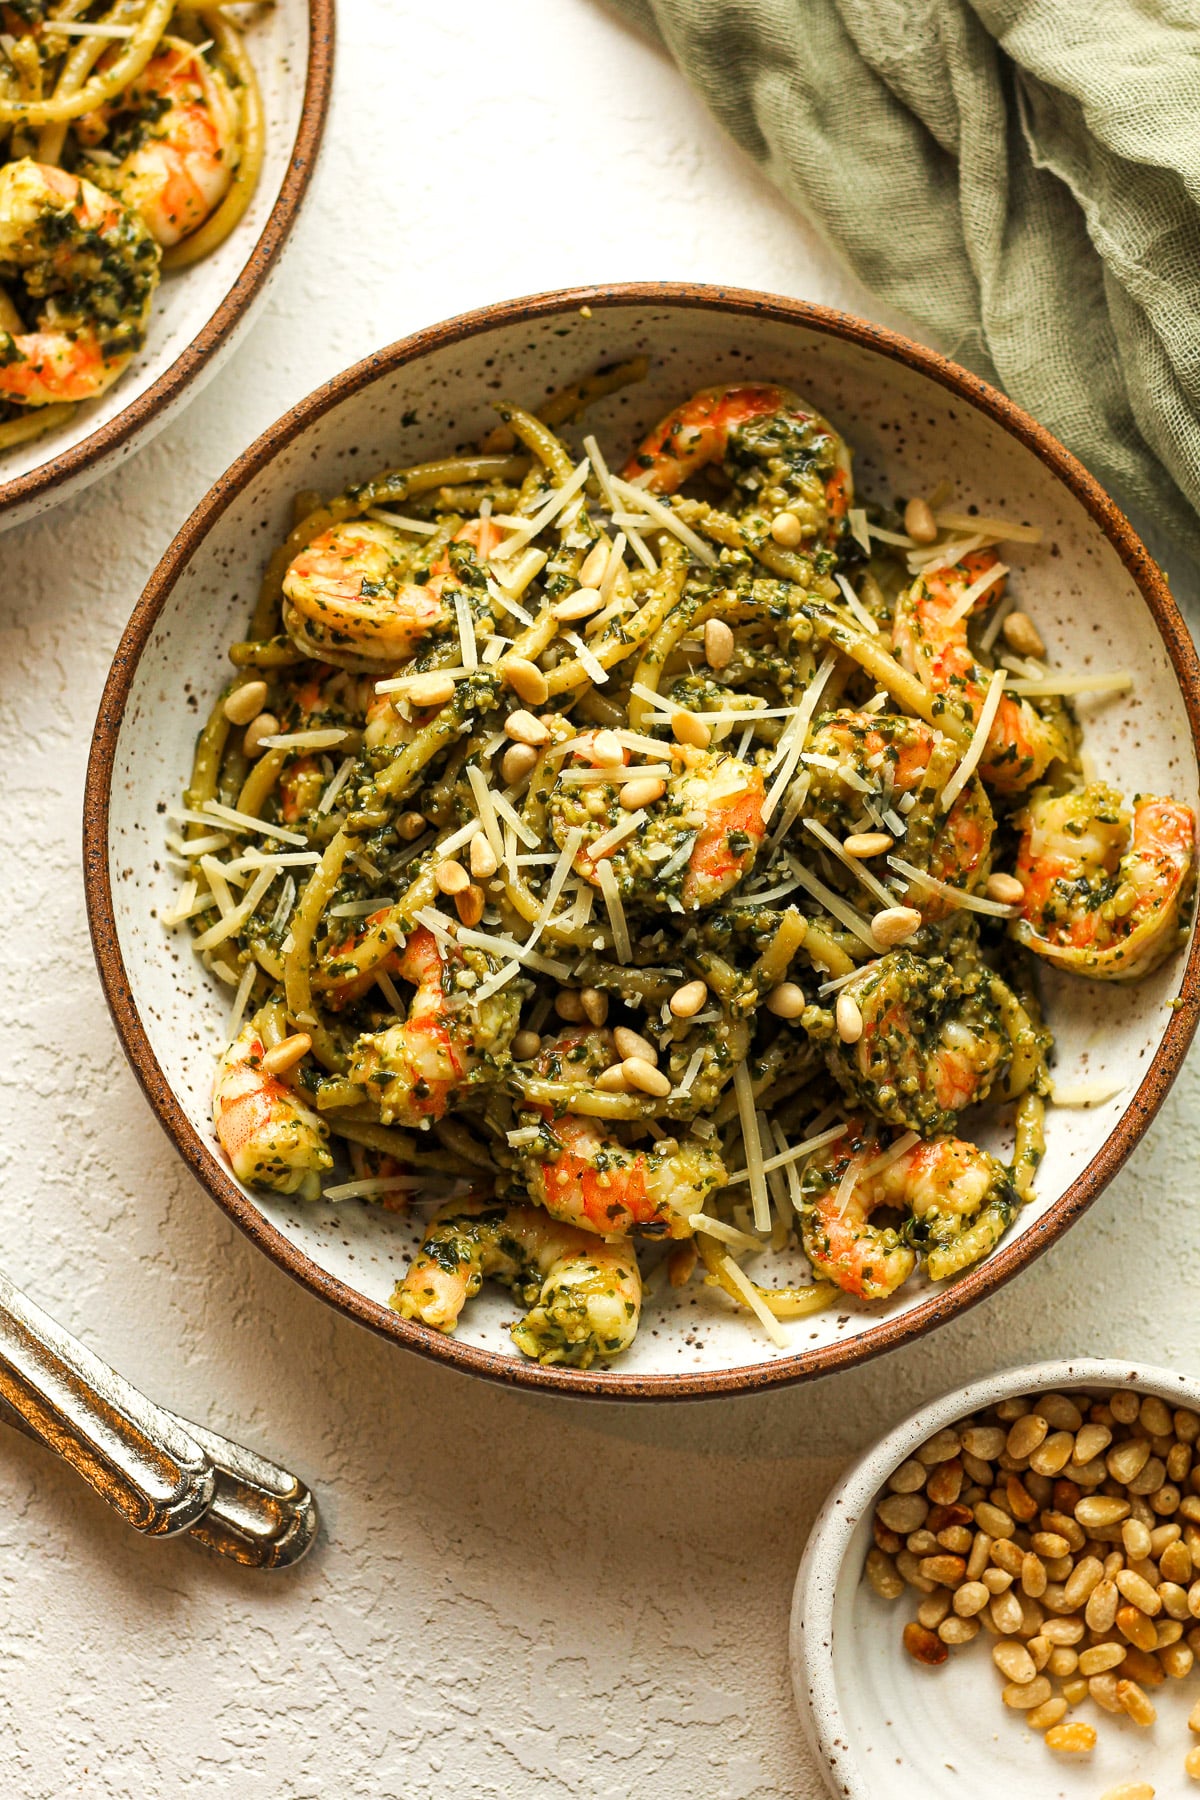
1020,177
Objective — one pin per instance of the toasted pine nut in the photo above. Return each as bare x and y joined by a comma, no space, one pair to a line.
948,1571
1129,1790
523,728
1005,888
469,904
410,825
1063,1631
1137,1590
787,530
688,729
579,605
787,1001
1006,1614
977,1562
525,1045
1063,1661
1102,1605
432,689
990,1519
594,1004
1137,1704
1075,1690
1194,1718
1103,1690
922,1645
718,643
287,1053
1074,1738
607,749
881,1573
867,843
909,1478
1175,1564
1178,1660
1101,1657
1136,1539
903,1512
1026,1695
1022,635
1155,1415
631,1043
643,791
1091,1441
245,702
984,1441
681,1261
997,1581
595,562
906,1565
1084,1578
1033,1575
1124,1405
1048,1713
933,1609
955,1630
1125,1461
484,861
1014,1661
894,924
264,725
569,1006
451,878
516,763
849,1018
687,1000
1095,1511
970,1598
1059,1411
1134,1625
1007,1556
645,1077
919,521
1025,1436
612,1080
1191,1765
525,679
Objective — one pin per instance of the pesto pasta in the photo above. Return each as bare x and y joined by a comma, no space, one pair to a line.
650,868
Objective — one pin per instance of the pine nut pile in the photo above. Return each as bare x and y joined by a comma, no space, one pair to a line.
1067,1529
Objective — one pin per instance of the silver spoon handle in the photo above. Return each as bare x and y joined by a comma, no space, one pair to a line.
136,1455
261,1515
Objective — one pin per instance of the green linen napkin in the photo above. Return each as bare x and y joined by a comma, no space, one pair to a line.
1020,177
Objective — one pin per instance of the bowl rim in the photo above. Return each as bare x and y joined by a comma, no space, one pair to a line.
806,1364
823,1563
19,491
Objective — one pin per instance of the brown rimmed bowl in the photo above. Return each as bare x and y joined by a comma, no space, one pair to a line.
200,312
913,418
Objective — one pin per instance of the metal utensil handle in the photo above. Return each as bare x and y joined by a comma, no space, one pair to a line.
137,1456
261,1515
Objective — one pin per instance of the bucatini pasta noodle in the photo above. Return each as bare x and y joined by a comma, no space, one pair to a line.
663,856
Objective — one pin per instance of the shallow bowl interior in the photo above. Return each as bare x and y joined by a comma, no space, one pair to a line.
912,420
198,312
881,1724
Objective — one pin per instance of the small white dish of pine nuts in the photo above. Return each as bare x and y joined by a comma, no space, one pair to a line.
1023,1615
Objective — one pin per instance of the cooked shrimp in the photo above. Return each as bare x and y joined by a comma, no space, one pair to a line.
583,1175
757,430
932,1041
347,599
696,841
90,264
584,1296
959,1199
891,754
271,1138
1105,892
174,133
1022,742
415,1070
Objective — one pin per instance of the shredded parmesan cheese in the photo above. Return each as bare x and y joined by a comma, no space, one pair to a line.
334,788
418,527
726,1234
320,738
847,1184
852,863
1085,1093
893,1153
1118,683
616,912
466,630
797,1153
956,896
967,599
859,529
795,735
856,606
978,744
531,528
1004,529
371,1187
666,517
743,1088
233,921
757,1305
604,846
485,806
237,1010
513,819
833,903
247,822
635,541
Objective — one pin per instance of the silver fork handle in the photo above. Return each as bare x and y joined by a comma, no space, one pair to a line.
162,1473
136,1455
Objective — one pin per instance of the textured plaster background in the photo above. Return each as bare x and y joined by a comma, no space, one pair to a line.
511,1596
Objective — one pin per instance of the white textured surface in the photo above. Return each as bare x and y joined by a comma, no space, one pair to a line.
511,1596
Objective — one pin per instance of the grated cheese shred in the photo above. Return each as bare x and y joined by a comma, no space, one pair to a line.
978,744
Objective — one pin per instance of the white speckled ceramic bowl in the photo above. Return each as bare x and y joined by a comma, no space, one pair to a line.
880,1724
199,313
913,418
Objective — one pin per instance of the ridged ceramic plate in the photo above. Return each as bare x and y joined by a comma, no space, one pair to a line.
912,419
200,312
